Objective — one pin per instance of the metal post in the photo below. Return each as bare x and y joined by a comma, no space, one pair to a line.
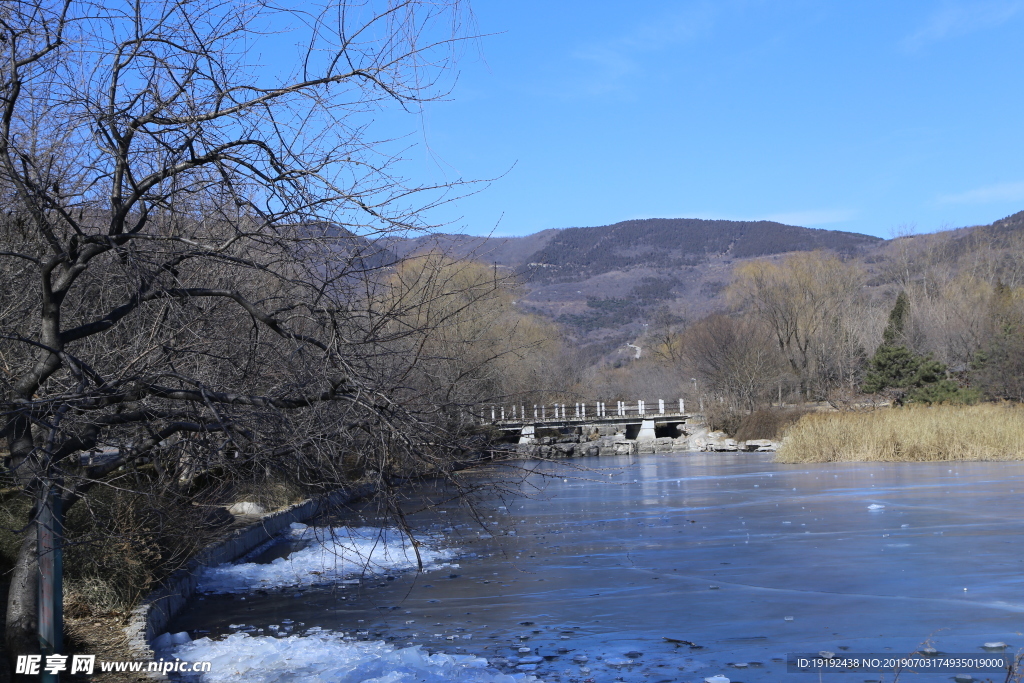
682,406
49,530
492,413
503,413
661,406
584,410
640,407
534,411
543,414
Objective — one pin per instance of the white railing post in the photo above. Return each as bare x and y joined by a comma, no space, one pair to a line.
492,413
543,411
503,413
640,407
534,411
661,406
682,406
584,410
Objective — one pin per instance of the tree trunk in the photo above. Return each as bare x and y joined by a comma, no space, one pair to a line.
21,636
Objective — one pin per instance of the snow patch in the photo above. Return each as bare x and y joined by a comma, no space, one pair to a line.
327,656
333,555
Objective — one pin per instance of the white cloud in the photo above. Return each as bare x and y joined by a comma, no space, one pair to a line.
1000,192
959,18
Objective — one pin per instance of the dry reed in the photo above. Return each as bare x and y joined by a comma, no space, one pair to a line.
912,433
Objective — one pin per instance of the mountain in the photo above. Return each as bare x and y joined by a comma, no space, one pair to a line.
577,253
604,283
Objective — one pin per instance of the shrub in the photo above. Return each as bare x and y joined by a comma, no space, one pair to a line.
768,424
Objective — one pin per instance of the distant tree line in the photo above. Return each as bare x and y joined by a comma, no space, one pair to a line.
934,320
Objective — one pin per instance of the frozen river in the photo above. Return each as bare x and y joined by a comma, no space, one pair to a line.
747,560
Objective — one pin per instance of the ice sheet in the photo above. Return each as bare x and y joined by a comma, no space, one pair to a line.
748,559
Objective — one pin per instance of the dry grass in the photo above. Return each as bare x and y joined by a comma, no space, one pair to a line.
912,433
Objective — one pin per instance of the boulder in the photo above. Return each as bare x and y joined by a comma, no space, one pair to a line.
563,450
761,445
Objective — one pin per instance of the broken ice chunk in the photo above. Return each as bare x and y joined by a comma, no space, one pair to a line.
875,506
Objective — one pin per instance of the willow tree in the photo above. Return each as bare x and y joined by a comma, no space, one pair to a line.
186,245
472,345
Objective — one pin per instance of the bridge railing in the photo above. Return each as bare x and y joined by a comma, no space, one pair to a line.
544,412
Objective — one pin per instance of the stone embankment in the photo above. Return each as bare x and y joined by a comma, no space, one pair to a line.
600,440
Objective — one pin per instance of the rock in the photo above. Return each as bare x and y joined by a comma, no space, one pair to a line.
996,645
563,450
759,445
246,507
716,679
722,445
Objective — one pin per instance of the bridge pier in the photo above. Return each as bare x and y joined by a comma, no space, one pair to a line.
527,435
646,431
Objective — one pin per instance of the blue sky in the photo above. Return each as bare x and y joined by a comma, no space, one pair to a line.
863,116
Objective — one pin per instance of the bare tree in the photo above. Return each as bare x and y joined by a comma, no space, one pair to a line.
734,358
185,250
800,300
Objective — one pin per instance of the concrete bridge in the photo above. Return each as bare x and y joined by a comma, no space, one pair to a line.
639,420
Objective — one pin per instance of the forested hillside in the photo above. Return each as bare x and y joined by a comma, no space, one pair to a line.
578,253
